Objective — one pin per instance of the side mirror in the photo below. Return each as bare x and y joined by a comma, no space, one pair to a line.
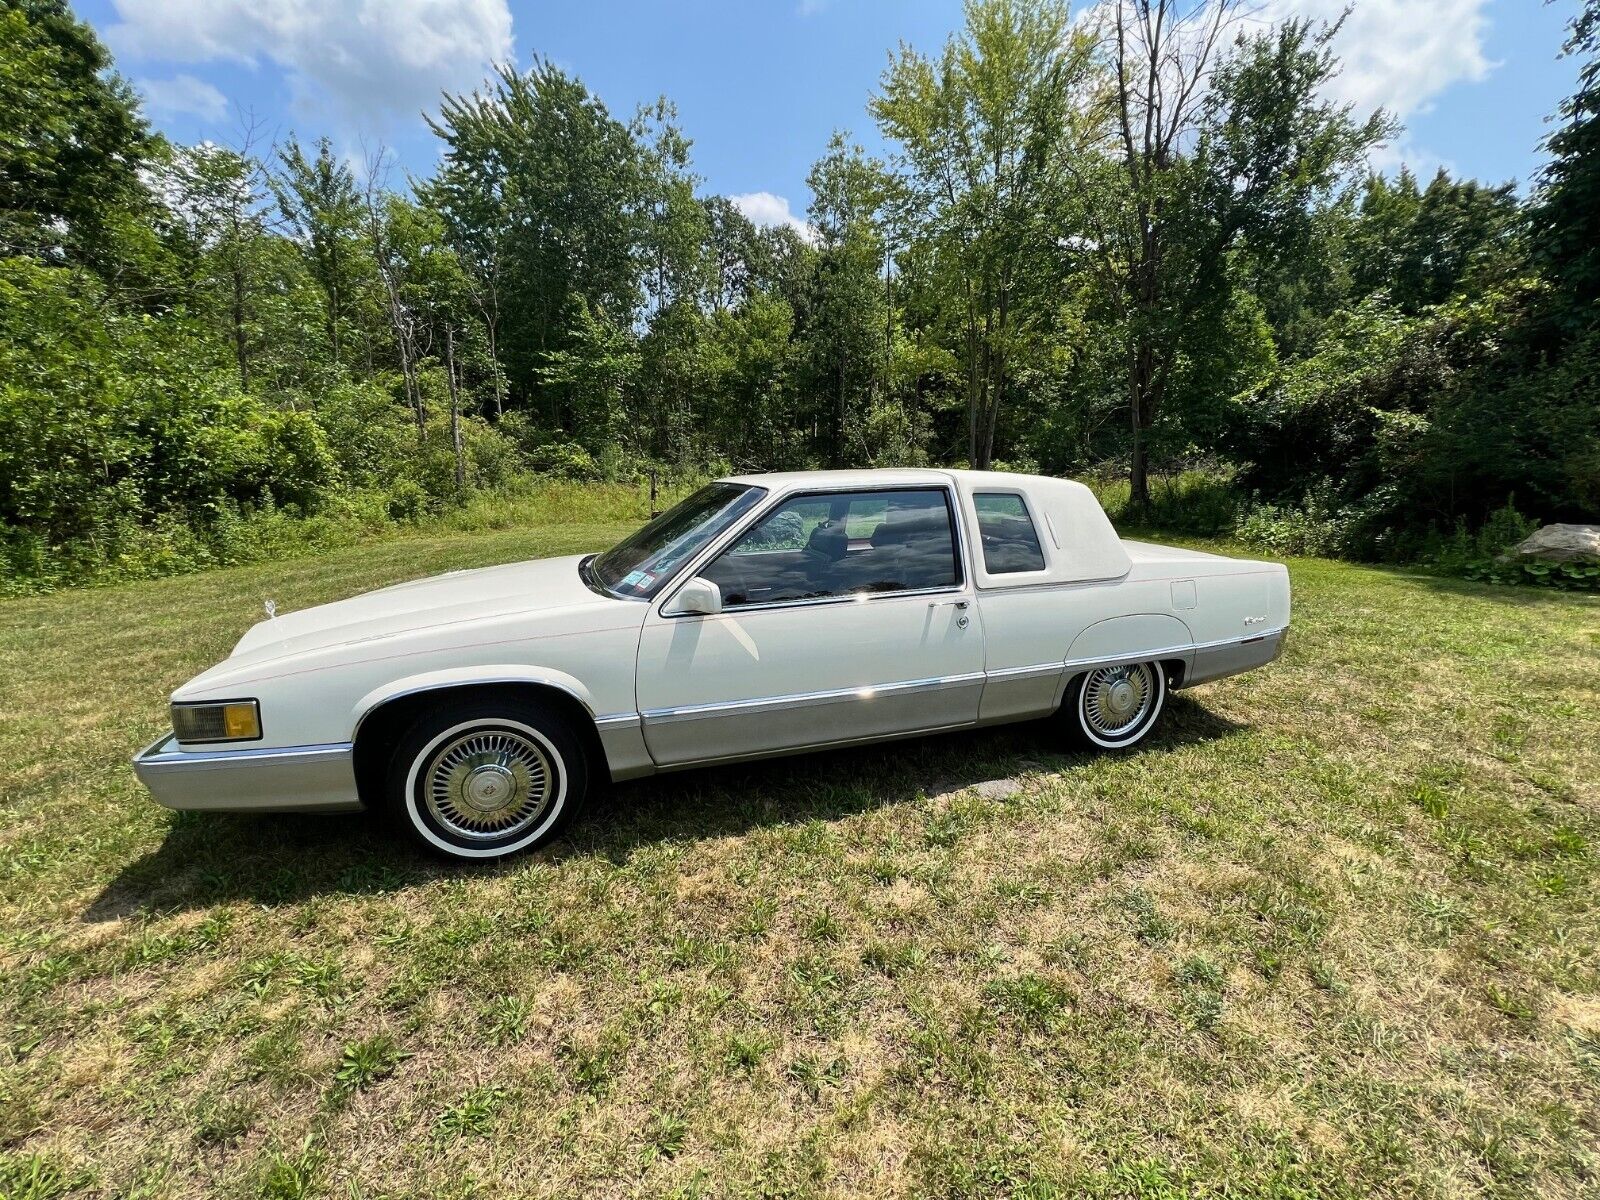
699,595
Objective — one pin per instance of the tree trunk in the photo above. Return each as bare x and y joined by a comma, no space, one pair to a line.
1138,476
998,387
333,321
1138,413
838,420
455,406
240,346
974,399
494,366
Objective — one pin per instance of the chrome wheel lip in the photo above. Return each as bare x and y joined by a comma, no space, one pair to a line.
487,782
1117,701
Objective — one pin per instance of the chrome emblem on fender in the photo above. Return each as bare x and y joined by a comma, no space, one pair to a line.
1254,620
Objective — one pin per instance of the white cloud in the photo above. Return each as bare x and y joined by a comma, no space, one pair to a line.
1404,152
768,211
1399,54
183,95
367,60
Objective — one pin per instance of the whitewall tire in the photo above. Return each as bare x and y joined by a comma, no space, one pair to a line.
1115,707
484,780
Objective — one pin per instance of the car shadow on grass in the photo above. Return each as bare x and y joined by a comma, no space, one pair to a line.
217,858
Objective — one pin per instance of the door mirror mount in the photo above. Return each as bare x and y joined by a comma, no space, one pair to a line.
700,596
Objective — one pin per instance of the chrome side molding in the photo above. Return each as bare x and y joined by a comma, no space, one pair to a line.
694,712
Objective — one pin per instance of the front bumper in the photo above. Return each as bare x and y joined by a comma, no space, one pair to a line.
282,779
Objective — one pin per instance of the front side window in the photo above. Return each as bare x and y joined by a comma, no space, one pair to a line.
638,566
820,546
1010,542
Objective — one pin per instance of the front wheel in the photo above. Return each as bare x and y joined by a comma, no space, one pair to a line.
1112,708
486,780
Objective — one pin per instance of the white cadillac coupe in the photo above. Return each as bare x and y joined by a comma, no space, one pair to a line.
765,614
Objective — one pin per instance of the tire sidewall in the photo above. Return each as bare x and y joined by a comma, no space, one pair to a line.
418,749
1088,737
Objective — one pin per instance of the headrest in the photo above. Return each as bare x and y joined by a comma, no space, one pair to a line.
914,525
828,541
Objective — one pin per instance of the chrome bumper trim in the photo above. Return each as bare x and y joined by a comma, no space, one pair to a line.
259,779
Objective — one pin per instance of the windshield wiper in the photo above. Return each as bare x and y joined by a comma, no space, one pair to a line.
591,579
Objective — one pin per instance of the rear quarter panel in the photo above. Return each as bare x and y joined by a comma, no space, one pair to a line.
1245,599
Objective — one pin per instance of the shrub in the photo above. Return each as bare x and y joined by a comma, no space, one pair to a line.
1202,501
1317,528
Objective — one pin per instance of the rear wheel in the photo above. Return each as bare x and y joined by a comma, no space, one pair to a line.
1112,708
484,780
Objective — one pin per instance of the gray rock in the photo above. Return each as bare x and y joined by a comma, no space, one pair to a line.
1557,544
998,789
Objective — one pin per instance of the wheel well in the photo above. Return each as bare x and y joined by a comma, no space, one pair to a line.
1172,668
382,728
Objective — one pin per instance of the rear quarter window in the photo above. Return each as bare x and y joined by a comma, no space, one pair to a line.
1005,530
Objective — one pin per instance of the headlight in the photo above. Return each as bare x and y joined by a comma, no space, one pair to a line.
217,721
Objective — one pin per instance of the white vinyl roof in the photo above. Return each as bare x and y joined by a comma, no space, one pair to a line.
787,481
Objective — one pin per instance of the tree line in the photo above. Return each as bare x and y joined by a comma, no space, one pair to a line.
1129,245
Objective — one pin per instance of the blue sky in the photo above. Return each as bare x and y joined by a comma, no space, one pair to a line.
761,84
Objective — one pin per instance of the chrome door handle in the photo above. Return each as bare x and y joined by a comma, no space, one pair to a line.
959,605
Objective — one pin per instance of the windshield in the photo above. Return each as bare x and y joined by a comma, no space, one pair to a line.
638,565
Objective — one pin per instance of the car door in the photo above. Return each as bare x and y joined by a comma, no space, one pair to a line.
847,615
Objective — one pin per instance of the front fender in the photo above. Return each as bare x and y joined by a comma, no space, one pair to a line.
459,676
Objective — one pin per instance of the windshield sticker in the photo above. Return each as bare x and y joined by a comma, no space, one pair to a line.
635,578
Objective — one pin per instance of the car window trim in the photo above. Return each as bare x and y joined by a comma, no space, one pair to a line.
964,574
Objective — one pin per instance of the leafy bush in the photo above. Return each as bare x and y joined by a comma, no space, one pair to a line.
1416,421
1571,576
1203,502
1317,527
1465,550
1479,554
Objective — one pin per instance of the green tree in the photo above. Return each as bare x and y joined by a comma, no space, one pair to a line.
1164,217
750,351
322,205
1566,217
71,137
216,200
844,333
1421,246
572,189
598,370
982,133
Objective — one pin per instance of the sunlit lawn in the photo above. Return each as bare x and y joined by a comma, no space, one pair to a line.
1333,933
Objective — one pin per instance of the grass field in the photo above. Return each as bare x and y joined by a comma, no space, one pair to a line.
1333,932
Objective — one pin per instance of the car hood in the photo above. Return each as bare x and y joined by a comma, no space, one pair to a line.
543,586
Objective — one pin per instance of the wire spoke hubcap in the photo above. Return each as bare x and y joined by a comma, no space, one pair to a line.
488,784
1116,699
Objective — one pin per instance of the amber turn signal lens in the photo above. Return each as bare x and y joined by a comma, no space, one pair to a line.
240,721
